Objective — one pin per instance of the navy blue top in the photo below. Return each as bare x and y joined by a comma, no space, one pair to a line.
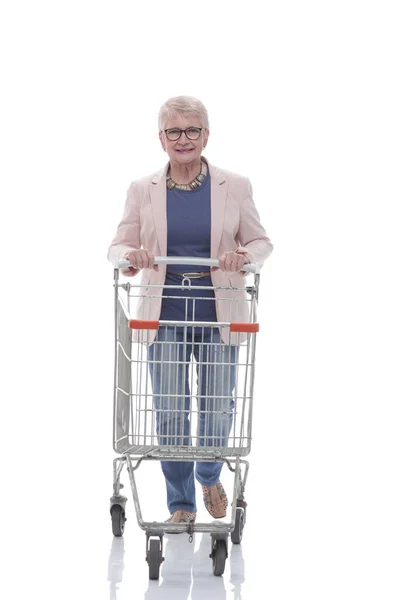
188,234
189,225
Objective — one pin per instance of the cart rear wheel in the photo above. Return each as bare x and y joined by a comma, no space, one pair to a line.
154,559
219,556
117,520
237,533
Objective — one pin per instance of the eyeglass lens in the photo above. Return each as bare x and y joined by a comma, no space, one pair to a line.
192,133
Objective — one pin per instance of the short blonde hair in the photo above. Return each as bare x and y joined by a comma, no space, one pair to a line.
184,105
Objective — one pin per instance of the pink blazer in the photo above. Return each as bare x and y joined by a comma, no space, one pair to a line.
235,225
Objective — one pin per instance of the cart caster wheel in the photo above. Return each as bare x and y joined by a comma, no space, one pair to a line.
154,558
117,520
237,533
219,555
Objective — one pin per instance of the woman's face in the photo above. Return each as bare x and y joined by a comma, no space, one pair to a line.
184,151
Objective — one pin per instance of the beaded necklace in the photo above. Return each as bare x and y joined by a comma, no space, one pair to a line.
192,185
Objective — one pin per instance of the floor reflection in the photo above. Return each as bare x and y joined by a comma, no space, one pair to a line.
237,576
116,565
205,584
176,571
186,572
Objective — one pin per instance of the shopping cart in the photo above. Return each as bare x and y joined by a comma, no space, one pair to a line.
136,436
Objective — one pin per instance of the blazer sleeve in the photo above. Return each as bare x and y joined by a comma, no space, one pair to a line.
252,236
127,236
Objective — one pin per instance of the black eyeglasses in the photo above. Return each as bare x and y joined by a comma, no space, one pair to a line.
192,133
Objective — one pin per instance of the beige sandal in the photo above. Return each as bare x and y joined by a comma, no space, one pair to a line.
180,516
215,500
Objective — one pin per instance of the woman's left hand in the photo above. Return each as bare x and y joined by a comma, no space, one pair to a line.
231,261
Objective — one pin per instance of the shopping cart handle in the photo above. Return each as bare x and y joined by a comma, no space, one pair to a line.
188,260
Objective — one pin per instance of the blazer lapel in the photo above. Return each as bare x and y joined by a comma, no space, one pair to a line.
219,193
158,197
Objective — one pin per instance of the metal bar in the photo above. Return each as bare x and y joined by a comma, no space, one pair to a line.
188,260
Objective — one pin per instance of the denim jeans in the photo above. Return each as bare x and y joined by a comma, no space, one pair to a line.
171,375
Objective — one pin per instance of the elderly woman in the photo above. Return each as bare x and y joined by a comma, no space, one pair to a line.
190,208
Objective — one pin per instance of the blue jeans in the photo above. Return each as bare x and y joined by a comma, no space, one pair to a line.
169,363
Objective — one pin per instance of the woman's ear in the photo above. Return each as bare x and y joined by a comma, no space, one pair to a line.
161,136
205,137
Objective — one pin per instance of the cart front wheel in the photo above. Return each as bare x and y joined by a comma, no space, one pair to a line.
219,556
237,533
154,558
117,520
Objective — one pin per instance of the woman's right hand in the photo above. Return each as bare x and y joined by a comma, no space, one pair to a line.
139,259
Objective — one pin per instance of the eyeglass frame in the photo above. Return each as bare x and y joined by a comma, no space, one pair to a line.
199,129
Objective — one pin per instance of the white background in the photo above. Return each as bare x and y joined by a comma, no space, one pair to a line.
304,99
